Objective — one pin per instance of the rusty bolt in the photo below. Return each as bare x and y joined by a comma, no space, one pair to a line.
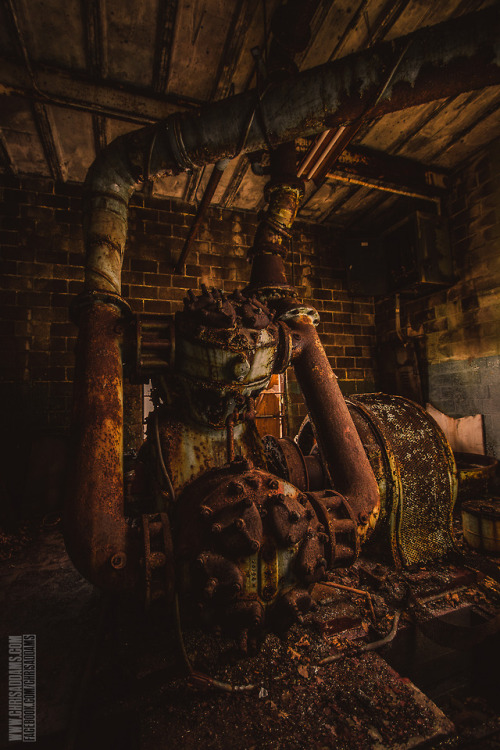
210,587
205,511
321,562
157,559
280,498
363,517
320,527
216,528
302,499
254,545
239,523
273,484
323,538
236,588
267,592
293,516
252,481
201,560
119,560
235,488
309,534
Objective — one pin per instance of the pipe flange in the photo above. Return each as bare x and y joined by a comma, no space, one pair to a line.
176,142
90,298
284,350
301,310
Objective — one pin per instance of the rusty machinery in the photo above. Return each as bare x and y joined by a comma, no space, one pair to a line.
237,526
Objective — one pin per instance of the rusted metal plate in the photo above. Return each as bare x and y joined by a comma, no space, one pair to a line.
422,475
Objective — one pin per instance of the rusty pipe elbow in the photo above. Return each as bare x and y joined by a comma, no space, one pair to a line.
337,437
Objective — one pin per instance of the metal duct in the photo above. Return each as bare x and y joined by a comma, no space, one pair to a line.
441,61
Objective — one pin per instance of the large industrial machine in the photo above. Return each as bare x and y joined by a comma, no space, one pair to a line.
232,526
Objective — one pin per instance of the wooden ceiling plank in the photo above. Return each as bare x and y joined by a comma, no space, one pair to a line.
240,21
481,106
353,21
337,205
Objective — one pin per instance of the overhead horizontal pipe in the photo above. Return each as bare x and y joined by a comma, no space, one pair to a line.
440,61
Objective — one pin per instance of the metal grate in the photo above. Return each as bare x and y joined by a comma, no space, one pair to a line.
425,486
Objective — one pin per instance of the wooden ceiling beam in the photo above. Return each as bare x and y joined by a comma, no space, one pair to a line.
165,35
94,14
49,138
359,165
75,91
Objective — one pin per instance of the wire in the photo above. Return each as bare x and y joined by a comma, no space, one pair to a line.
369,646
200,678
165,473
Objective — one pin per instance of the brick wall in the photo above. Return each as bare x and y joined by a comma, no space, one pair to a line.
41,269
461,325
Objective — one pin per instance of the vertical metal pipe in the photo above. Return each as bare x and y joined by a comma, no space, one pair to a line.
100,543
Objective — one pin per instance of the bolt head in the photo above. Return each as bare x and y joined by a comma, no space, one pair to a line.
216,528
119,560
273,484
254,545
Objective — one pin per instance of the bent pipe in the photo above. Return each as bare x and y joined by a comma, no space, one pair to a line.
441,61
338,440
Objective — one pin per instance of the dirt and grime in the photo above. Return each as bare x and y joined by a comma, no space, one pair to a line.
141,697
